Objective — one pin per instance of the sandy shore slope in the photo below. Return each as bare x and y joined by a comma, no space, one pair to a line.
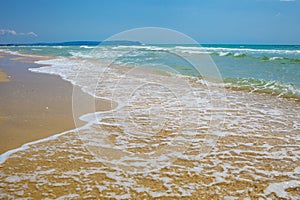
32,105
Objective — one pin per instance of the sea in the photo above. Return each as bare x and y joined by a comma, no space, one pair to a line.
272,69
210,121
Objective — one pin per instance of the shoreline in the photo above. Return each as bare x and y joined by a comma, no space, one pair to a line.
29,106
103,105
230,86
34,106
253,131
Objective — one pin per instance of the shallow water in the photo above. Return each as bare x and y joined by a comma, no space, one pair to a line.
272,69
170,136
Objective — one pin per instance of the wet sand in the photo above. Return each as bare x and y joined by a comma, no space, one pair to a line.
3,75
32,105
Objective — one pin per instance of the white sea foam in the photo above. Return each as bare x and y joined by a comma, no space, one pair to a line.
87,47
13,179
280,189
222,49
165,90
11,52
276,58
224,53
256,126
6,155
148,47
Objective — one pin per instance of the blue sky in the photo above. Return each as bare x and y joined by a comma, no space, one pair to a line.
207,21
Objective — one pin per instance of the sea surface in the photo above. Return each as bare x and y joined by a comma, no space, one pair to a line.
174,133
267,68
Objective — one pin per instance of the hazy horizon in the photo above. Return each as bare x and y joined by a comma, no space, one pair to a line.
90,41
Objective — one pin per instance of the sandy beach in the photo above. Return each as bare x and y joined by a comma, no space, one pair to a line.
256,150
32,105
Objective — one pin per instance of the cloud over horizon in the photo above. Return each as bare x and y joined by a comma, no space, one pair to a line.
15,33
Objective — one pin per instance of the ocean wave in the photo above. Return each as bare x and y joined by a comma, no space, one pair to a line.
79,54
276,58
17,53
263,58
225,54
58,47
281,59
223,49
148,47
277,88
87,47
239,55
231,54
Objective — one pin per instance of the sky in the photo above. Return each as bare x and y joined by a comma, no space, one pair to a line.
206,21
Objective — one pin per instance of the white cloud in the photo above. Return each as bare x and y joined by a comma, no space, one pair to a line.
13,32
7,32
29,33
278,14
287,0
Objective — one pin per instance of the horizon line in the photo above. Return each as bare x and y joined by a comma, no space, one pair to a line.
101,41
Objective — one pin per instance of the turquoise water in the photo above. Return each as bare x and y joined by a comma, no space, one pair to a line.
273,69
